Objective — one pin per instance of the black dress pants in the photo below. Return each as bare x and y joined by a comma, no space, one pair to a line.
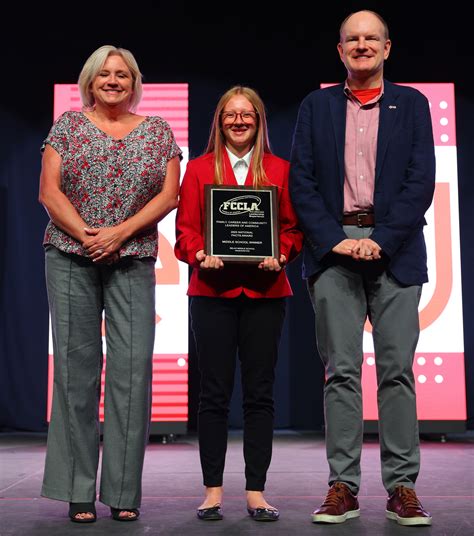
222,327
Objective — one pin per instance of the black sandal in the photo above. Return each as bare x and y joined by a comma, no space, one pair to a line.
82,508
116,514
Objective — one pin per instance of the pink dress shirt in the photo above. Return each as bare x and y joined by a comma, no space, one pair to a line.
362,123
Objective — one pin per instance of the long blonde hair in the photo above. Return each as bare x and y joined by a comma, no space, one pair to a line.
94,64
216,142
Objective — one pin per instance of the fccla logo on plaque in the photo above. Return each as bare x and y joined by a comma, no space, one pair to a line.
241,223
240,205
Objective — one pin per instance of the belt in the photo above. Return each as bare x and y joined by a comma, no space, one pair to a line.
361,219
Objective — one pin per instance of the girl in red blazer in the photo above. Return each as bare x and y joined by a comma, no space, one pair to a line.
236,307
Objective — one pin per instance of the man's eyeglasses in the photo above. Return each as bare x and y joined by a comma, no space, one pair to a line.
230,117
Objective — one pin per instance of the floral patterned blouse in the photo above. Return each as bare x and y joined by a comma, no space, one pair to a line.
109,180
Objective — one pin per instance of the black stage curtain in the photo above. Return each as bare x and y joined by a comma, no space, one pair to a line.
23,303
23,307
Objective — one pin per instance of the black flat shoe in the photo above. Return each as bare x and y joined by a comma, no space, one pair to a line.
116,514
264,514
82,508
213,513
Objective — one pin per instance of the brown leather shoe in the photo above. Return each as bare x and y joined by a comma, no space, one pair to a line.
340,504
404,507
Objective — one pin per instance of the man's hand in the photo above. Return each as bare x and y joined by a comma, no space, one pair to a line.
366,250
345,247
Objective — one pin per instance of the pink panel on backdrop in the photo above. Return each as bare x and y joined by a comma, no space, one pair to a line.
169,101
169,388
170,371
441,99
440,386
441,396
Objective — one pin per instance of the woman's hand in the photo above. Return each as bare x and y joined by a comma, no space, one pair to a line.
270,264
208,262
109,260
101,244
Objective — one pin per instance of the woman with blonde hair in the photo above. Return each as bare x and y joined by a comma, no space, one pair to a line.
108,177
236,308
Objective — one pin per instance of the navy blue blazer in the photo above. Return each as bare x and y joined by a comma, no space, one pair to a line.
404,178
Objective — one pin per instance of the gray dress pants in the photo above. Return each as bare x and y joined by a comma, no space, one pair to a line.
78,292
343,296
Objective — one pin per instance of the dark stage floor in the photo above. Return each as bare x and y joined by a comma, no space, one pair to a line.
296,484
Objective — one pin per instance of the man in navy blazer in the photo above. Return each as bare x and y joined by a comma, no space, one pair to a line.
362,177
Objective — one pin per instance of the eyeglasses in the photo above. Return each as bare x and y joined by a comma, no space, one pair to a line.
230,117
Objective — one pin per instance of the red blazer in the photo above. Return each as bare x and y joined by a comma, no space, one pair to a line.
233,279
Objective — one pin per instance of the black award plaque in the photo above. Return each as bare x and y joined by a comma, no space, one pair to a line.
242,223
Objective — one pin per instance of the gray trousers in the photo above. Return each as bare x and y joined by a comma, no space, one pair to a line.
343,296
78,292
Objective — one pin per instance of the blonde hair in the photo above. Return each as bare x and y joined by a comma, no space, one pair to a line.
93,66
216,142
